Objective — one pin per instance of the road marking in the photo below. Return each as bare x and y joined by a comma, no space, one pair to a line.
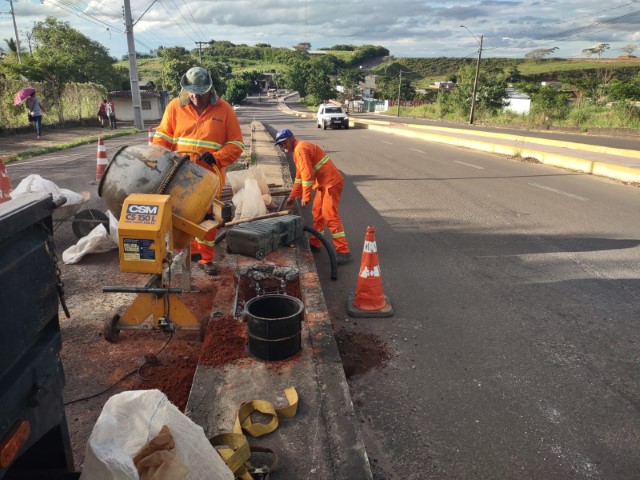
468,165
566,194
416,150
388,143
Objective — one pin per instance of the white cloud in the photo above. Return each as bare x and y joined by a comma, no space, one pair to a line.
405,27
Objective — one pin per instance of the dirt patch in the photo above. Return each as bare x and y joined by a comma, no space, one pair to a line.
225,342
361,352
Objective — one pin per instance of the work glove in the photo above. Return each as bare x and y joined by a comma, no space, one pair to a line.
208,158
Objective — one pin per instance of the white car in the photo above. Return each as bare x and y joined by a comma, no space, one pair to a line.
332,116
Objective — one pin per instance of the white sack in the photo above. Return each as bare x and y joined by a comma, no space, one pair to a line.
113,227
35,183
128,421
252,201
238,178
98,241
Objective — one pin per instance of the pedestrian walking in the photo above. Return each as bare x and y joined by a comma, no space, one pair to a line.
199,121
111,113
35,113
316,171
103,118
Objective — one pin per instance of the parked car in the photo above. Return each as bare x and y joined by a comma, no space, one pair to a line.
272,92
332,116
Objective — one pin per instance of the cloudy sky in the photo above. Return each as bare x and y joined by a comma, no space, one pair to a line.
407,28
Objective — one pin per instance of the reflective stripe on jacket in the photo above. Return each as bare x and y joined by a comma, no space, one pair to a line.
314,169
217,131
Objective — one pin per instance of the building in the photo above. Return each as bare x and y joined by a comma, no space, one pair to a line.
448,85
517,102
153,104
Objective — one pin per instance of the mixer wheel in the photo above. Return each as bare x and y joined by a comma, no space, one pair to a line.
110,329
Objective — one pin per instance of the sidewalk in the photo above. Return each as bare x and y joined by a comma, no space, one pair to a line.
11,145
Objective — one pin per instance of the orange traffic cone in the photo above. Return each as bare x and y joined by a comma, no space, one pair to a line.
369,299
150,136
5,184
101,159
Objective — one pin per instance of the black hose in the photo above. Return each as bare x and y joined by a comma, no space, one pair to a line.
220,237
332,254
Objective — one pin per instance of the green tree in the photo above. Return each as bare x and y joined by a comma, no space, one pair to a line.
319,80
11,45
598,50
624,91
175,62
297,76
540,53
236,90
350,79
387,87
490,93
629,49
514,75
63,55
550,103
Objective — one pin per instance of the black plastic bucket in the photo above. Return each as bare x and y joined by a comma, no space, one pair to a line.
274,326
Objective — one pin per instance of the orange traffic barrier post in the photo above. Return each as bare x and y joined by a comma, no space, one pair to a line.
150,137
101,159
5,184
369,300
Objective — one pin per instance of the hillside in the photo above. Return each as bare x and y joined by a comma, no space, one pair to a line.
421,71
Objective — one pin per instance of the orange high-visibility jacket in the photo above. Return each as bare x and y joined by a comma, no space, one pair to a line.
314,169
217,130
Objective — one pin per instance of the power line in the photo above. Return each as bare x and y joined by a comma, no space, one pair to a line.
79,13
573,33
194,20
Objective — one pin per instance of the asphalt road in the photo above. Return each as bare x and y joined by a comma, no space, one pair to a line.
516,293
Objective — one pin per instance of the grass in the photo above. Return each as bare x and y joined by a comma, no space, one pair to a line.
551,67
15,157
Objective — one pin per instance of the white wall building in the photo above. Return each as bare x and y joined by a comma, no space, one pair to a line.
153,105
517,102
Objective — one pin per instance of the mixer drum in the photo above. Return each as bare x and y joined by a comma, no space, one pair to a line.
156,170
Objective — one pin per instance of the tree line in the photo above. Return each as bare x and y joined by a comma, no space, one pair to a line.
63,61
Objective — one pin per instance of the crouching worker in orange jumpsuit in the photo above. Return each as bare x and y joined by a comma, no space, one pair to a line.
314,170
199,121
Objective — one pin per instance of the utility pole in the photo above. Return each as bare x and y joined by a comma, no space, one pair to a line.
200,49
475,84
399,90
15,29
133,69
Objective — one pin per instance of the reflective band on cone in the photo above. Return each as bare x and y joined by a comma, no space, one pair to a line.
101,159
5,184
369,300
150,136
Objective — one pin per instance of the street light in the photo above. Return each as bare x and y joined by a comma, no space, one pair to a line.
475,81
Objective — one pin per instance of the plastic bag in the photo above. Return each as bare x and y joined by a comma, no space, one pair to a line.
98,241
128,421
35,183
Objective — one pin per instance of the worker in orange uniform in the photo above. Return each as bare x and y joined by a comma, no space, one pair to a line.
198,120
316,171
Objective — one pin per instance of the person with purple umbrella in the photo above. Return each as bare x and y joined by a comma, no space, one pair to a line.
35,112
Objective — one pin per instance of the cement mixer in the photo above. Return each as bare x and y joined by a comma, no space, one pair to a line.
161,199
